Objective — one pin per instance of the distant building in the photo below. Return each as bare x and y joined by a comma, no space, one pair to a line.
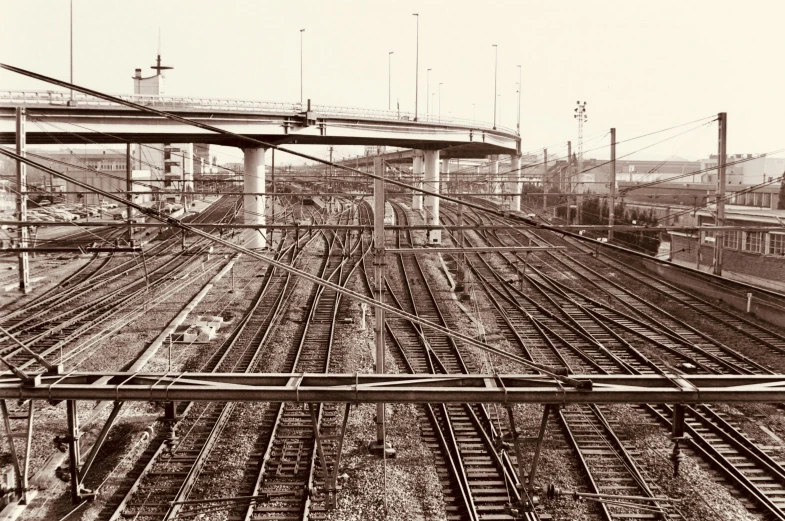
152,85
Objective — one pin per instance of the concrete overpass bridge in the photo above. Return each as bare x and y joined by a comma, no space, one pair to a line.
61,119
277,123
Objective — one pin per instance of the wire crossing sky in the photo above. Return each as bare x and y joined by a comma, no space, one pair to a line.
639,65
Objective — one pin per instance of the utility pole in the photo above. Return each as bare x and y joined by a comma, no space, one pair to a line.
544,181
380,445
272,202
332,174
129,188
568,181
21,200
612,187
719,236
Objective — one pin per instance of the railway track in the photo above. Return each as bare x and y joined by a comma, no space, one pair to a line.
284,464
177,457
92,296
478,481
287,473
716,440
579,346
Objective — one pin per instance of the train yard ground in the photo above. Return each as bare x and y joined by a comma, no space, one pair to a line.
570,310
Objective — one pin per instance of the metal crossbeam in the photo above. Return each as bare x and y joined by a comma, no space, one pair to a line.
480,249
65,249
375,388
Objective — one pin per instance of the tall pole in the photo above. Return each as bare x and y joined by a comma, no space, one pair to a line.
440,101
495,75
544,181
129,187
389,82
417,70
301,65
612,187
272,200
722,120
21,200
72,48
520,87
568,182
580,115
378,243
428,90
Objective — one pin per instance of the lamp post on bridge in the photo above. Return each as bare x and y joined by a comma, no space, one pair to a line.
440,101
428,89
72,49
389,80
495,76
417,69
520,87
301,65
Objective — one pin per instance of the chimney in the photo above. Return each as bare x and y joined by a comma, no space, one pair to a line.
138,74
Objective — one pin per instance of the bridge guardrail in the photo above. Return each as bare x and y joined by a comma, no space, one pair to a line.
61,98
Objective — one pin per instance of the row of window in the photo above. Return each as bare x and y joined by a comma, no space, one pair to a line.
758,199
771,243
99,165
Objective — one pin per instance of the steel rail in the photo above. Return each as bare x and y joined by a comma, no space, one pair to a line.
357,296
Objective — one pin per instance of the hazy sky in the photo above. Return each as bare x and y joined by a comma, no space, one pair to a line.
641,65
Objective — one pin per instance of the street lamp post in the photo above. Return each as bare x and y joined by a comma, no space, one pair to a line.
495,75
520,87
301,65
389,81
440,101
417,67
428,89
72,48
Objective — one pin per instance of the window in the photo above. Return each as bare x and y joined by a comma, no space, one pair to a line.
753,242
766,200
708,236
777,243
731,240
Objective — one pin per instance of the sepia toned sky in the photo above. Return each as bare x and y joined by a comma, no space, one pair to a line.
640,65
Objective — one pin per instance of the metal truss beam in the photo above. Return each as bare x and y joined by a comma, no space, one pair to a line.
64,249
360,227
375,388
481,249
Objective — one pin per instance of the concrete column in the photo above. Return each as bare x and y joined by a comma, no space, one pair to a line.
431,183
515,206
253,205
445,175
417,170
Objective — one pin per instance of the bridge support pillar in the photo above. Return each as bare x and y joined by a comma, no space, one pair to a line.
417,171
431,183
254,205
515,185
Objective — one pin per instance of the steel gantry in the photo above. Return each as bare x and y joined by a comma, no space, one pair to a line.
396,388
